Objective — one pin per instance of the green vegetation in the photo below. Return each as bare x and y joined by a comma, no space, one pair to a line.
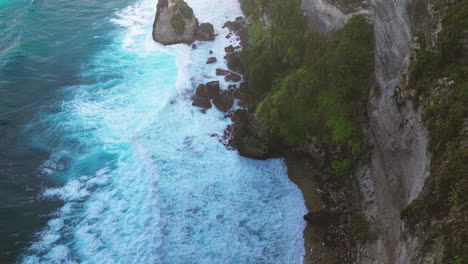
340,167
178,23
309,86
439,75
361,228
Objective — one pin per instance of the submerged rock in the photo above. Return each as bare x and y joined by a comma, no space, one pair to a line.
176,23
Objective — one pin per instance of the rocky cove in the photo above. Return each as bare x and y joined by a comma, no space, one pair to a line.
373,205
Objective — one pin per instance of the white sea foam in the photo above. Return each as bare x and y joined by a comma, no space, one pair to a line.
146,180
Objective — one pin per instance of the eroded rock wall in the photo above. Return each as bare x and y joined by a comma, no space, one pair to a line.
399,163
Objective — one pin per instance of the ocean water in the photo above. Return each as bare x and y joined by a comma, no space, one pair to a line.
109,161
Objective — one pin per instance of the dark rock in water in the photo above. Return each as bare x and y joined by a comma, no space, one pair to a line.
210,90
251,147
235,63
211,52
175,23
322,217
194,46
224,101
211,60
205,32
201,91
233,25
233,77
229,49
201,102
221,72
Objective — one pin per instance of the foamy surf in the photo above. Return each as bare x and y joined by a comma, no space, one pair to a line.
146,180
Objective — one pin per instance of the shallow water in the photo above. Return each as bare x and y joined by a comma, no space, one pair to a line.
129,171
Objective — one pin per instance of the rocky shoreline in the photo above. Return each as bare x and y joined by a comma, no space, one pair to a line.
328,236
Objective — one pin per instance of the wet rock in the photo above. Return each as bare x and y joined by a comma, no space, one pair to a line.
175,23
233,25
232,77
224,101
235,63
209,90
243,136
229,49
201,102
211,60
221,72
205,32
212,89
251,147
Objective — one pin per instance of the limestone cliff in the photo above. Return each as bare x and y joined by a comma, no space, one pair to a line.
399,163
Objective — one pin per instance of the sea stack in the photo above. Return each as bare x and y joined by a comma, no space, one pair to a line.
176,23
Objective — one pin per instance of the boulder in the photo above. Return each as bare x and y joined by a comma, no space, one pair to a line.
233,25
224,101
221,72
175,23
213,88
211,60
229,49
210,90
201,102
235,62
205,32
233,77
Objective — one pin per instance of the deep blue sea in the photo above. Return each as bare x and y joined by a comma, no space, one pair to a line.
104,160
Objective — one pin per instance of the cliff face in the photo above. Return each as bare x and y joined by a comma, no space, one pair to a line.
399,162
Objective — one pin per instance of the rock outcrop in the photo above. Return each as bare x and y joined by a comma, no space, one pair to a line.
243,135
176,23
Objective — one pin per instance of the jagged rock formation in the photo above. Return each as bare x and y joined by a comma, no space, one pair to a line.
176,23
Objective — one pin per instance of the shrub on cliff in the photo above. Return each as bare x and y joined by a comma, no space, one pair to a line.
323,97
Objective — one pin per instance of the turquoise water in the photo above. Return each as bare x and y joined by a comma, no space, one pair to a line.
130,172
